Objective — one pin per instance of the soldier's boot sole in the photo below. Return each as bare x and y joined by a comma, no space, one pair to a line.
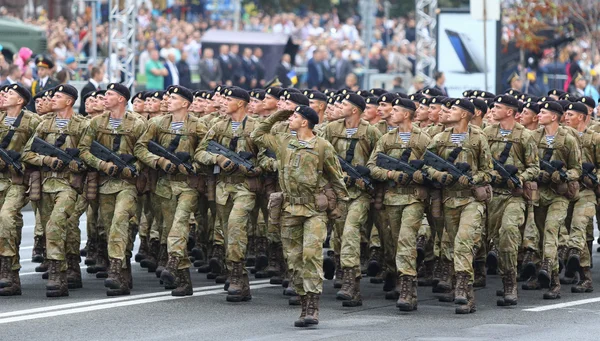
289,291
37,258
446,297
581,290
285,283
102,274
148,262
91,269
159,271
57,293
420,256
221,279
46,275
167,277
310,321
352,303
544,279
465,309
89,261
405,306
226,286
425,282
199,263
112,283
216,266
140,257
117,292
461,300
300,323
41,268
343,296
567,280
528,271
74,284
10,292
294,300
238,298
260,274
211,275
203,269
392,295
551,296
182,292
573,265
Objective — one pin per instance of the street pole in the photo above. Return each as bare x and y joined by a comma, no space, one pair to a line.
236,15
485,66
94,50
366,7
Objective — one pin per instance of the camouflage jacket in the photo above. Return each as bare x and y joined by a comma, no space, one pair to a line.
364,141
305,169
475,152
99,129
47,130
392,145
589,143
522,154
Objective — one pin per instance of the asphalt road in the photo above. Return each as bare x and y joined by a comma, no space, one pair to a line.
150,313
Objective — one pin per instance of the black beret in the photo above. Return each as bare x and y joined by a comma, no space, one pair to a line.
480,104
465,104
433,92
533,107
4,88
287,91
259,94
564,104
507,100
328,92
556,92
405,103
447,102
274,91
238,93
378,91
209,95
43,61
308,113
424,101
486,94
331,100
100,93
67,89
364,93
182,92
338,98
219,88
140,95
371,100
578,107
88,95
297,98
356,100
588,101
565,97
489,102
159,95
120,89
22,91
344,91
533,99
553,106
402,95
317,96
467,93
415,97
387,97
437,100
42,94
513,92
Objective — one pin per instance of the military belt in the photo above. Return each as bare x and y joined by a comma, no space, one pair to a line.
299,200
232,179
405,190
458,194
57,175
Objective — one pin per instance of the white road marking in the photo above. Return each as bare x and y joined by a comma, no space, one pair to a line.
564,305
75,308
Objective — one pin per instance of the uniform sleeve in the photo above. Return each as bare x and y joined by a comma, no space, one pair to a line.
202,156
333,172
482,176
377,173
141,127
596,146
30,157
263,137
85,144
574,159
532,161
432,147
141,147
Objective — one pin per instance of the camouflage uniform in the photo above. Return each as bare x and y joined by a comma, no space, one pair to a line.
235,200
178,191
404,204
303,227
117,195
462,213
551,213
506,212
347,228
13,192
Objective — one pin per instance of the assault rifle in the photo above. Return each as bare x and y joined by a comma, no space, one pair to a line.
120,161
438,163
66,156
177,159
239,159
507,173
358,172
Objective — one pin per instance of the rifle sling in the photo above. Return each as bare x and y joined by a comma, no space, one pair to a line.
504,155
6,140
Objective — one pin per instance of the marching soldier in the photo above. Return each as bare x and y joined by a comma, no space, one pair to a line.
16,128
117,131
308,164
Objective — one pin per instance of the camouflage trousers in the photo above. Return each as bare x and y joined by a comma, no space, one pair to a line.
463,225
206,213
302,239
38,231
506,213
155,224
432,229
550,216
370,231
346,230
405,222
74,231
117,215
176,214
234,214
144,214
262,217
56,210
92,226
574,234
13,200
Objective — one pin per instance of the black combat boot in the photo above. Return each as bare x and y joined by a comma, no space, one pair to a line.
185,284
407,300
39,245
74,272
143,250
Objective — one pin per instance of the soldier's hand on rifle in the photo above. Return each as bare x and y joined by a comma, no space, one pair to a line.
225,164
556,177
463,180
127,173
14,171
443,178
2,164
348,181
360,184
254,171
399,177
74,167
418,177
512,185
544,177
53,163
496,178
108,168
166,165
588,182
181,168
